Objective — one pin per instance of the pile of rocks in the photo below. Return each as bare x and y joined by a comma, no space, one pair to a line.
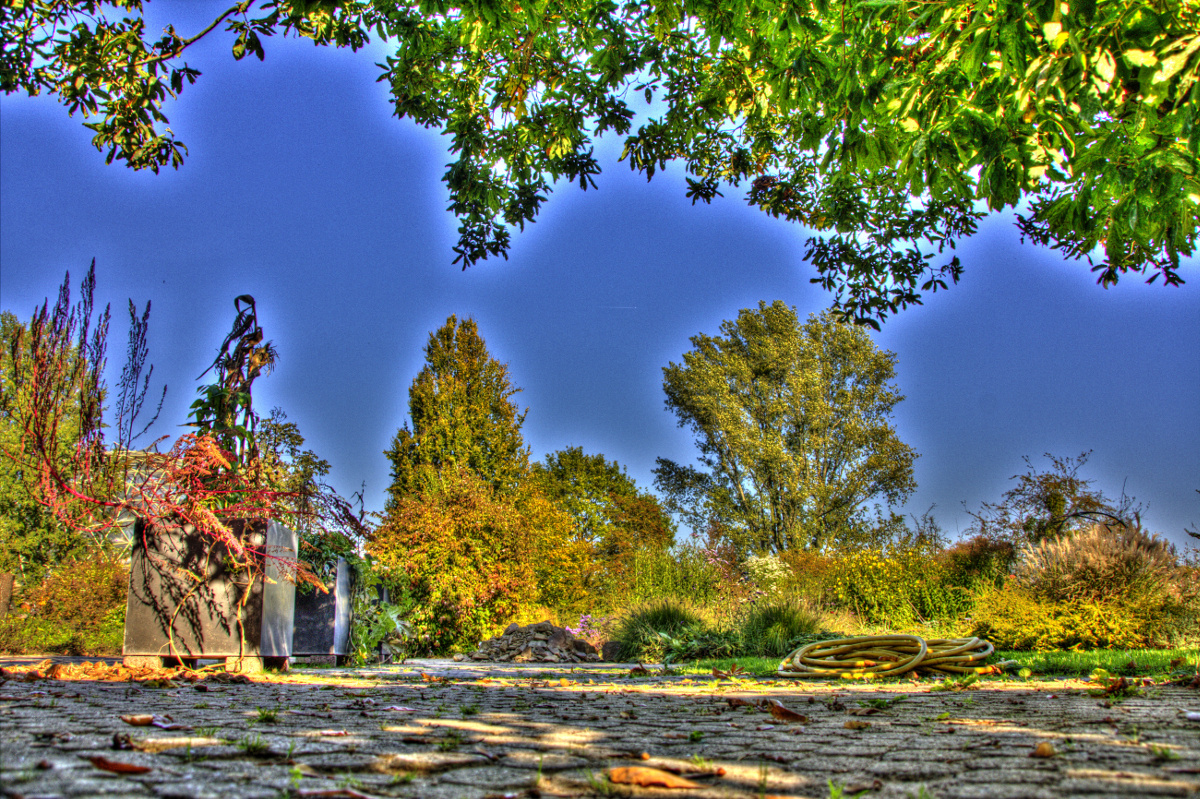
535,643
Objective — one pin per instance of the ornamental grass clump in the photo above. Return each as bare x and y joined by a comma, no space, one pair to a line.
1103,562
772,628
647,631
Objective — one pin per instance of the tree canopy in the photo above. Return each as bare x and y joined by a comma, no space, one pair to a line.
887,128
793,424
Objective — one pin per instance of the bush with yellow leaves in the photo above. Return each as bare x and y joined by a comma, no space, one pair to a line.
1106,587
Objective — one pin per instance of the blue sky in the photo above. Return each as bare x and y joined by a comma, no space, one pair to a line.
302,190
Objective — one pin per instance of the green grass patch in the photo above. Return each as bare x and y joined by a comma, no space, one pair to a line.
754,666
1127,662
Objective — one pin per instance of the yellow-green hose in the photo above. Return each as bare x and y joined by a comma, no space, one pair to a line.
886,656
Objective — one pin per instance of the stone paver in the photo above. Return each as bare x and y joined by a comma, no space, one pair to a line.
438,729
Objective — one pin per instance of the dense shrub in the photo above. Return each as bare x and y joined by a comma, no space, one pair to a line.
771,628
898,589
1015,618
1104,587
979,562
458,552
79,609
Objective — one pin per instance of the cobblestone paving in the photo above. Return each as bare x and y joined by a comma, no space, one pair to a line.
467,731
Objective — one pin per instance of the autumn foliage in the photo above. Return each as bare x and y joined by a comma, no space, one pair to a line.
471,557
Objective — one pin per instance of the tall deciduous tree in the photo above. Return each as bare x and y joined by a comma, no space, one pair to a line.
600,495
793,424
462,415
615,519
889,128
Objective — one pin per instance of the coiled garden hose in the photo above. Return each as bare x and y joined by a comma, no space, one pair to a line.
866,656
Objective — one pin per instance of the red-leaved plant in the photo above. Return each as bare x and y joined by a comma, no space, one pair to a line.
205,480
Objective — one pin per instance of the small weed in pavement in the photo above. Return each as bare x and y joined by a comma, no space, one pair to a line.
450,742
838,791
964,683
265,715
253,745
1163,753
468,710
883,703
600,785
695,736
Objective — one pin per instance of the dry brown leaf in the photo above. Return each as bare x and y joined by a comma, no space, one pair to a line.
734,671
736,702
863,711
854,724
139,720
646,777
783,713
1044,749
116,767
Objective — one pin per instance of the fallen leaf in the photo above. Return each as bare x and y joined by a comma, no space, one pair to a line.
783,713
140,720
863,711
156,745
401,709
1044,749
646,777
856,725
118,768
735,702
733,671
332,733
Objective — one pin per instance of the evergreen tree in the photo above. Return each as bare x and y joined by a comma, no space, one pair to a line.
462,416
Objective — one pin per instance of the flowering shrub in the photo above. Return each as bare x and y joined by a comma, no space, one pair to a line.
898,589
1015,618
767,572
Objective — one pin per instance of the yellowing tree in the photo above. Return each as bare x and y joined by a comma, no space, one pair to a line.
467,533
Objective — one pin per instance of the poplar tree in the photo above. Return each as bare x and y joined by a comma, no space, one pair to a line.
793,424
461,415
